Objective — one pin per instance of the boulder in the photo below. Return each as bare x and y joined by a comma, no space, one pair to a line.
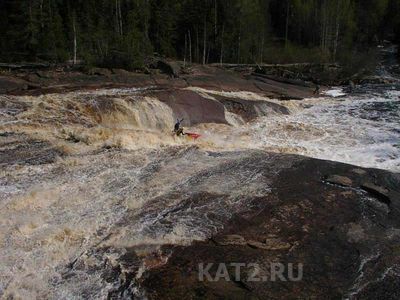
33,78
165,81
169,67
194,108
251,109
340,180
12,84
232,239
100,72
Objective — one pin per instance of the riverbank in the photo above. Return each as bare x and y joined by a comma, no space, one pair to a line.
25,81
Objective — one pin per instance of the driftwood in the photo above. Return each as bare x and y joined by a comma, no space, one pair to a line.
19,66
285,80
260,66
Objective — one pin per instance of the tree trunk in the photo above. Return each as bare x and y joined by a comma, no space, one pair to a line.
240,32
41,14
323,22
197,45
75,42
262,49
215,19
204,41
337,30
238,51
116,17
287,23
120,17
184,55
222,45
146,22
31,26
190,47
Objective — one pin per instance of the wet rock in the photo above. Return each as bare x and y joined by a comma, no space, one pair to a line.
100,72
359,171
251,109
169,67
277,244
17,149
380,192
12,107
286,80
33,78
6,134
340,180
225,80
281,89
232,239
43,74
270,244
54,81
355,233
12,84
192,107
165,81
274,233
375,80
121,72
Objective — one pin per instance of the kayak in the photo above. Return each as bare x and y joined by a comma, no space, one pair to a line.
194,136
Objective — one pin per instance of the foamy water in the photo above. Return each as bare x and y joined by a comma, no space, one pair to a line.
122,182
362,130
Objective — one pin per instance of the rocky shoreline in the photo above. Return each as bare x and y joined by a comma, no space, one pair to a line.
174,75
329,228
174,90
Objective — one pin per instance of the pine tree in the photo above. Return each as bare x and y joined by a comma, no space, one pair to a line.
121,33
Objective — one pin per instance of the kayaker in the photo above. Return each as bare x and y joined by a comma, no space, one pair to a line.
177,128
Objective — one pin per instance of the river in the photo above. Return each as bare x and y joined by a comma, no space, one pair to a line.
87,176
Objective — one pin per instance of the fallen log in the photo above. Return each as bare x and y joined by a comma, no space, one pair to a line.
10,66
285,80
295,65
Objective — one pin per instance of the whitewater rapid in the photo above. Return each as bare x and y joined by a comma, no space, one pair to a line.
362,130
86,175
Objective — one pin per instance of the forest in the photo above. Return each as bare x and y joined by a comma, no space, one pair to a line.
125,33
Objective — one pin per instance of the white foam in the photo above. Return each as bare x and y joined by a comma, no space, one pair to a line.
241,95
361,131
337,92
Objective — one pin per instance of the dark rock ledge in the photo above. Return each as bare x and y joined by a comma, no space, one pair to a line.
270,208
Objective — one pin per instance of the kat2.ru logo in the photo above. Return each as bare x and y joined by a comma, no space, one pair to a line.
250,272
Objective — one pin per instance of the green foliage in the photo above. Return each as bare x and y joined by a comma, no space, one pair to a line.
294,54
122,33
362,62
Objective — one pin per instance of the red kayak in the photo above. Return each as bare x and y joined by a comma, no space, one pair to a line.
194,136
